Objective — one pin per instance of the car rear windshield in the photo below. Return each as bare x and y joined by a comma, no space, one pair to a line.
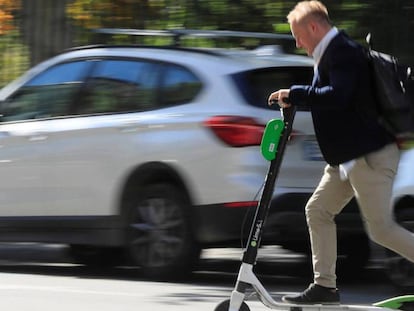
256,85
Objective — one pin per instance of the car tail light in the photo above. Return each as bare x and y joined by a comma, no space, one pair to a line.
236,131
241,204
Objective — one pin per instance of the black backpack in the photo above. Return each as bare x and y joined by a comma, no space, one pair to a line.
394,92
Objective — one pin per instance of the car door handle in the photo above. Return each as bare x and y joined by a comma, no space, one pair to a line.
129,127
37,137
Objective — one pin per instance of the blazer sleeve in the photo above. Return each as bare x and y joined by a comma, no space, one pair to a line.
337,83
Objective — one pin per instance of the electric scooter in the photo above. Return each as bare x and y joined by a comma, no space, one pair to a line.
274,140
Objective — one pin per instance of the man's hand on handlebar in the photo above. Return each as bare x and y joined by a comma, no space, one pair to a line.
280,97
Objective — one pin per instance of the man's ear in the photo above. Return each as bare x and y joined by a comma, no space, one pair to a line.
313,27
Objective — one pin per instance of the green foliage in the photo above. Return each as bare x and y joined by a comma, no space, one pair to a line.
390,21
14,57
6,15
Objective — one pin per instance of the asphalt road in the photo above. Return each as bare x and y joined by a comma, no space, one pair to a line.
37,277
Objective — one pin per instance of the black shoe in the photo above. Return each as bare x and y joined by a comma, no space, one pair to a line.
314,294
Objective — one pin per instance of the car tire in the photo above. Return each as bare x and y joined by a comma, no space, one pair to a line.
399,270
353,255
159,234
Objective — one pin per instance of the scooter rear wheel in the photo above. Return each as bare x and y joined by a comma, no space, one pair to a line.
224,306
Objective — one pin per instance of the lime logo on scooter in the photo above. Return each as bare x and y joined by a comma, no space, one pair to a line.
256,235
270,138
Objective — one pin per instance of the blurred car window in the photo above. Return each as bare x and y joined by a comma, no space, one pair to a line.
119,86
256,85
49,94
179,85
62,73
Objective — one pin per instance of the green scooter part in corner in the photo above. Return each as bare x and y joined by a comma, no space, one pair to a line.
395,302
270,138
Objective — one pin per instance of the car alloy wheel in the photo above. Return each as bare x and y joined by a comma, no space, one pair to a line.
159,232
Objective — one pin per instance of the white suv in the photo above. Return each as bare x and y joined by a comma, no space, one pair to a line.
149,150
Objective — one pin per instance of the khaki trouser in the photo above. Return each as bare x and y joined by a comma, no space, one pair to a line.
370,180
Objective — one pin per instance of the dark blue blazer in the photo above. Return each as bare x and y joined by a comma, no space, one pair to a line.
340,99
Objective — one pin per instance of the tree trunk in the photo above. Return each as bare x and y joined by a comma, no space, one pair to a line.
45,28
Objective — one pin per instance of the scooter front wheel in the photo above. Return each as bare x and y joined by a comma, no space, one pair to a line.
224,306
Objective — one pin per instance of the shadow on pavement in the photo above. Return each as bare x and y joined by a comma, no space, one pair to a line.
218,266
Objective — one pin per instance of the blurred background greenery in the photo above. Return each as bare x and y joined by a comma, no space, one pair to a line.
33,30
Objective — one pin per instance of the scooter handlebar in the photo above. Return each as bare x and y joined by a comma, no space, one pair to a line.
275,101
288,113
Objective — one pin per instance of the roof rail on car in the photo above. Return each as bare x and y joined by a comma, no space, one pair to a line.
170,47
178,34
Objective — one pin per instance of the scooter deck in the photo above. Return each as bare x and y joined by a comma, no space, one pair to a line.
247,277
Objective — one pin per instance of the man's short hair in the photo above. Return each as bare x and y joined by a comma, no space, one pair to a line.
305,9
